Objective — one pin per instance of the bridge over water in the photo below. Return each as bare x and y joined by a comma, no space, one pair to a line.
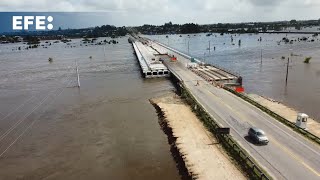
288,155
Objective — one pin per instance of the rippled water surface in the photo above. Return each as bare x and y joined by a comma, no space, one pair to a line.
50,129
267,78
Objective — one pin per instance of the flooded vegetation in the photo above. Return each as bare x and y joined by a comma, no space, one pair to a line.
262,59
107,129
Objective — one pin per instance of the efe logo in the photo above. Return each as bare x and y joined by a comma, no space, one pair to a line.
23,22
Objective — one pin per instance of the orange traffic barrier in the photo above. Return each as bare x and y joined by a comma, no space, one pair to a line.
239,89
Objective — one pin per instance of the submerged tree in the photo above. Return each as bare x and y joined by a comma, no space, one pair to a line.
307,60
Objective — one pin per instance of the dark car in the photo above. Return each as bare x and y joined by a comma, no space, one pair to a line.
258,136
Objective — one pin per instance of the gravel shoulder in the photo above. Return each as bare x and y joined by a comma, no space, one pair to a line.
202,155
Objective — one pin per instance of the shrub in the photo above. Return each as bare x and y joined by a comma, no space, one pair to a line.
307,60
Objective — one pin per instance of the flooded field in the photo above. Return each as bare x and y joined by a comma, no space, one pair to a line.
50,129
264,76
107,129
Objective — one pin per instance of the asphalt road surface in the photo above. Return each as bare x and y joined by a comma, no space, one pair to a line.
288,154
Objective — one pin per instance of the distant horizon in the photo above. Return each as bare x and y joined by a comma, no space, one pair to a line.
157,12
63,20
245,22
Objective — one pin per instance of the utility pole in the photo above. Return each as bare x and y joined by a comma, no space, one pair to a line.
188,47
209,49
287,71
261,55
77,70
288,66
260,51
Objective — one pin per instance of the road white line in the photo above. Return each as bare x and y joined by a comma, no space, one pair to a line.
274,125
240,135
286,150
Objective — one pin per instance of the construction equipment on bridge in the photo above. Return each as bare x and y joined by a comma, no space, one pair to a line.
302,120
214,74
173,58
192,65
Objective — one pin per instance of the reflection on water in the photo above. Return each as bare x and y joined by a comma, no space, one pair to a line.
105,130
266,77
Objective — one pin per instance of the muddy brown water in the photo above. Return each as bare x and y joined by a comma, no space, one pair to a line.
302,91
107,129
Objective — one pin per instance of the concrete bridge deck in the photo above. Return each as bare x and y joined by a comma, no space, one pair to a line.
150,65
208,72
288,155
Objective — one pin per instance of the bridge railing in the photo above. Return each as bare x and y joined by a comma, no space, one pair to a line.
283,120
198,60
242,158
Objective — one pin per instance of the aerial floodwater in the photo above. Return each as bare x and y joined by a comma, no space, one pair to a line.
264,76
106,129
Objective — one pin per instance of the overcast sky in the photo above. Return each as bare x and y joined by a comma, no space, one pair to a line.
139,12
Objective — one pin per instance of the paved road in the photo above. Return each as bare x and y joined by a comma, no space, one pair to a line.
288,155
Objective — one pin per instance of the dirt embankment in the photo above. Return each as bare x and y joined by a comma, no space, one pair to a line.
286,112
200,156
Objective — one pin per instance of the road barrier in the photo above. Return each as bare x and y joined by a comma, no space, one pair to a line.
283,120
196,59
248,165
